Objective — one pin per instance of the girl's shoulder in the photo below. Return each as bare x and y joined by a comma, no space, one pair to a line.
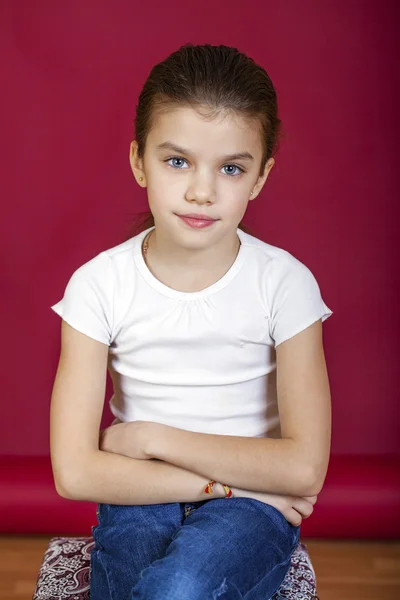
98,291
278,259
115,259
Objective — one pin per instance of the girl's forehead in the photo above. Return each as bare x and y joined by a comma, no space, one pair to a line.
202,116
186,126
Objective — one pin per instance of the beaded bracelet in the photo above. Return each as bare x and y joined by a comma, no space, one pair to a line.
209,490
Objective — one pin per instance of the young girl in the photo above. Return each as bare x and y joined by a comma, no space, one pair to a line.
213,340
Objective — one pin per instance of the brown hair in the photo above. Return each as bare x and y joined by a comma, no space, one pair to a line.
219,77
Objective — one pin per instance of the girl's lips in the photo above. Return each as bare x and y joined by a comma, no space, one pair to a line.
196,223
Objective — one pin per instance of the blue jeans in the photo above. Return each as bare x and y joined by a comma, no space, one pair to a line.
226,548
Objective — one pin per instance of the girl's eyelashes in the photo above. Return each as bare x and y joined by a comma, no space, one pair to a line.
178,158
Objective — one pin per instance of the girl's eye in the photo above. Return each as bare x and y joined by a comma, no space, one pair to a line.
174,158
177,158
235,167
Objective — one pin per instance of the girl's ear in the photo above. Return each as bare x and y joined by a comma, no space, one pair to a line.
136,164
262,179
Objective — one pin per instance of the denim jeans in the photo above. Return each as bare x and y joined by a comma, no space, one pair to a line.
227,548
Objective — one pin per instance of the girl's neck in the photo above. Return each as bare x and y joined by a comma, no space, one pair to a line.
189,270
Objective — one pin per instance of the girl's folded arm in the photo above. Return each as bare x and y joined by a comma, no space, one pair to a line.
115,479
296,464
81,470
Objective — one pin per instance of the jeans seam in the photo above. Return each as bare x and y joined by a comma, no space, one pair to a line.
107,575
288,561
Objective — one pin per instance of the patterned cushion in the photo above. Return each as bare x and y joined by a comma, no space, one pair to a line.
65,572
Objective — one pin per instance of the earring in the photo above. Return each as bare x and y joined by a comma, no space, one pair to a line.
251,193
140,178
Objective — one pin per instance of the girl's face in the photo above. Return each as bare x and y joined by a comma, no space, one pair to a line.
189,167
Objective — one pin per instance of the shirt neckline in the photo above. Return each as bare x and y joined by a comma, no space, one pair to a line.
170,292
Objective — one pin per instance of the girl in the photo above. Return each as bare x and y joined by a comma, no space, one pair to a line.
213,340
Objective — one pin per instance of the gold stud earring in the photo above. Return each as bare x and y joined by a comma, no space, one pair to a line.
251,193
140,178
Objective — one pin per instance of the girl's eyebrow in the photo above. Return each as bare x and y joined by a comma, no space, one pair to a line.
175,148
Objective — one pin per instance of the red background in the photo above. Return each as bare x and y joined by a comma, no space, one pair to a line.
71,74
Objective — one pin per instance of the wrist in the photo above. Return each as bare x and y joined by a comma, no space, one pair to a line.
218,491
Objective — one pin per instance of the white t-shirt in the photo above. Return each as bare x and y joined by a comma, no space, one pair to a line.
202,361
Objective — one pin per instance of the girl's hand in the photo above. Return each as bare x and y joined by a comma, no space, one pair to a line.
293,508
129,438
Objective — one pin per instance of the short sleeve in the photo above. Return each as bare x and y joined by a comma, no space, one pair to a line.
296,301
87,302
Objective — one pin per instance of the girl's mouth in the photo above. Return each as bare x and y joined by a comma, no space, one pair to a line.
196,223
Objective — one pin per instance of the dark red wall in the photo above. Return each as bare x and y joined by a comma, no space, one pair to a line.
71,73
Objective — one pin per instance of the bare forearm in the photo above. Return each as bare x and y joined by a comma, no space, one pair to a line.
115,479
259,464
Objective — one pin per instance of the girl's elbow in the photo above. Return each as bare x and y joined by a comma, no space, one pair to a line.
309,484
72,482
62,491
67,488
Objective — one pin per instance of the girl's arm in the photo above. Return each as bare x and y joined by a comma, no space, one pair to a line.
81,469
295,465
111,478
114,440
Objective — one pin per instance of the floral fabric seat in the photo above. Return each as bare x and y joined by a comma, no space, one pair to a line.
65,572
